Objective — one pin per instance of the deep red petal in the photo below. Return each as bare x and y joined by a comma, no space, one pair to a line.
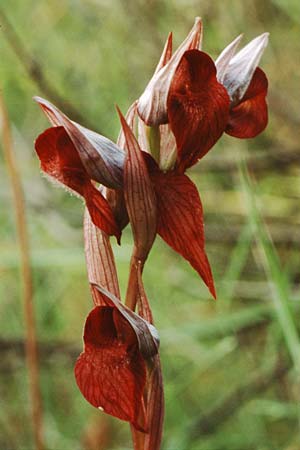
250,116
102,159
180,221
100,211
111,373
60,160
99,330
198,107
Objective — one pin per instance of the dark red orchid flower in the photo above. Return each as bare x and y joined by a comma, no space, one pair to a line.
247,86
112,370
60,160
75,156
200,107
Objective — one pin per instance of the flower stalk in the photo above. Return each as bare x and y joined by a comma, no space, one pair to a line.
186,107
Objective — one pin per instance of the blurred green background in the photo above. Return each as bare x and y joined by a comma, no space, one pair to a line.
231,367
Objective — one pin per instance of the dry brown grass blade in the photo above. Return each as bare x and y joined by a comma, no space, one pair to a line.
26,275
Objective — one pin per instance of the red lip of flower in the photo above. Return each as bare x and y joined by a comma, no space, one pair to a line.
112,371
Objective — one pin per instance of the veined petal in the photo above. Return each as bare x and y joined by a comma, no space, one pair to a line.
250,116
242,66
152,105
180,220
60,160
139,195
111,372
225,57
198,107
100,261
102,159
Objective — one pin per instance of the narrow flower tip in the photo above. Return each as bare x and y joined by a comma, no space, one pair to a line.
120,114
130,119
225,57
242,66
252,52
48,109
166,53
198,34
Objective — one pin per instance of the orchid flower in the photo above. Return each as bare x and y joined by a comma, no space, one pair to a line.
152,105
75,157
200,99
247,86
111,372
